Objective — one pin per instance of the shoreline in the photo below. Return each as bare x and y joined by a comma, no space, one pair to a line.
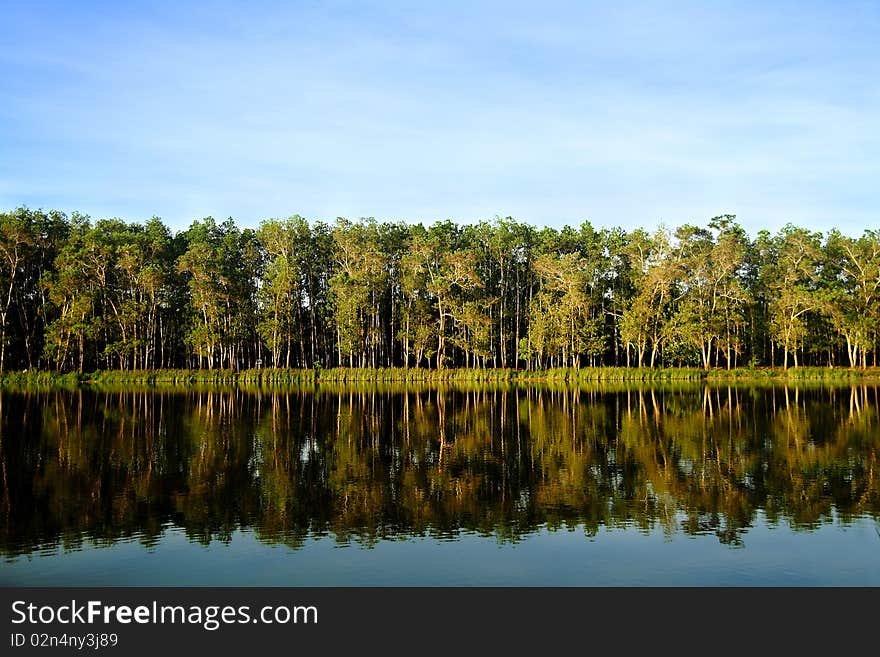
270,376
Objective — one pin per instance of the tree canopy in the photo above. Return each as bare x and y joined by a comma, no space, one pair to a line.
78,294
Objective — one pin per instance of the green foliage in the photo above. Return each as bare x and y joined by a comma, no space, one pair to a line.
81,295
347,375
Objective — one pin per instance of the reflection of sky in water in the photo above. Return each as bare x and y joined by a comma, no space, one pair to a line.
832,554
479,486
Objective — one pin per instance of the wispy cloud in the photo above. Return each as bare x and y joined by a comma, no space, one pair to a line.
571,111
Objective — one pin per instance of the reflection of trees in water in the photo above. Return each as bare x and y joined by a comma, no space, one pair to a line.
368,465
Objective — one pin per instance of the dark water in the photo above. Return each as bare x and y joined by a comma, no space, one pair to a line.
481,485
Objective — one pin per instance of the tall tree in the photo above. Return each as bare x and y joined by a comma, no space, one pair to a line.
790,276
17,241
854,265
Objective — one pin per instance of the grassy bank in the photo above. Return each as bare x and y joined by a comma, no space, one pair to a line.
344,375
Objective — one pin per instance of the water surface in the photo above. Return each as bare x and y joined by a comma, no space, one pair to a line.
484,485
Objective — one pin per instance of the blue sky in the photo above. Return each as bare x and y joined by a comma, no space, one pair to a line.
626,114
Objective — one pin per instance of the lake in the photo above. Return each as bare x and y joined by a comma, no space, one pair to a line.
679,484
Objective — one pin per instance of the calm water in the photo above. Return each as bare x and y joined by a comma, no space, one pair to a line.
481,485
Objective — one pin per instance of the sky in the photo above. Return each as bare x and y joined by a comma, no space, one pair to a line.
624,114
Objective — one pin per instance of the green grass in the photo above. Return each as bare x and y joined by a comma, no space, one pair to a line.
343,375
37,378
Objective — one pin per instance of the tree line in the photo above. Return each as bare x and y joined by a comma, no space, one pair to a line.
84,295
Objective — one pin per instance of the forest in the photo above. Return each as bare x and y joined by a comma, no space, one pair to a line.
83,295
